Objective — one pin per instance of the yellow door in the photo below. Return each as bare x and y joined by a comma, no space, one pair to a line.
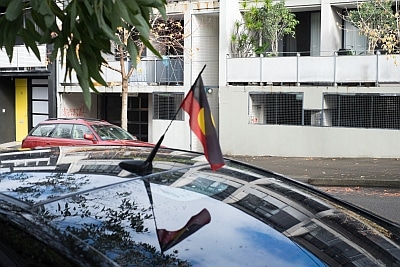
21,109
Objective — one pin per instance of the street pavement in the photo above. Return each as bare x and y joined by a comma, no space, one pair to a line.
363,172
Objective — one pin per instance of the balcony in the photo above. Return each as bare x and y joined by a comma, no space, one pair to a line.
310,70
23,60
149,71
155,71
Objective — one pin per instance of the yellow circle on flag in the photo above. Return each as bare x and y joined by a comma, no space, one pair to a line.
201,121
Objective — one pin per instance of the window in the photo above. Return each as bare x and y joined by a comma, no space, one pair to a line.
362,111
276,108
63,131
80,130
167,106
43,130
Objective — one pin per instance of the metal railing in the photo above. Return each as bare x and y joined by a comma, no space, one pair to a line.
155,71
325,70
23,60
149,71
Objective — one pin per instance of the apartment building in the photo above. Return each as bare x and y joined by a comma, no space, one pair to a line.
27,92
322,96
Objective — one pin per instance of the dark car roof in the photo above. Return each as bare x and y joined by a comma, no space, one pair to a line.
257,218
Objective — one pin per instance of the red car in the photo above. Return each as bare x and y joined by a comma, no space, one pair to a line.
78,132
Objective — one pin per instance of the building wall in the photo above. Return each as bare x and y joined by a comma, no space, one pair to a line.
239,137
72,105
330,32
7,110
208,44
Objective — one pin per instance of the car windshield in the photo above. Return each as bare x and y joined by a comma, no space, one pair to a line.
112,132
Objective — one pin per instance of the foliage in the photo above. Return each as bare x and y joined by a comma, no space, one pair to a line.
110,230
268,24
378,22
279,22
241,40
254,20
80,31
166,35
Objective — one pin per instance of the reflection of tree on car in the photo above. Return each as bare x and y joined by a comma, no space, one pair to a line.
85,217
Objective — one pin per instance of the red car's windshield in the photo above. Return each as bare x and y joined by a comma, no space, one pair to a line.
111,132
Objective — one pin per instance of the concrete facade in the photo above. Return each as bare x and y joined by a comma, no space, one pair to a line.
209,25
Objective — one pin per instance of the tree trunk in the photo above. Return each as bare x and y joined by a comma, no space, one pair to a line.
124,103
124,90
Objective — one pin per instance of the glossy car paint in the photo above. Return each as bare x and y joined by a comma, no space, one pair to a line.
258,218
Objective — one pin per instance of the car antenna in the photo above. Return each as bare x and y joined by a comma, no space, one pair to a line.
142,167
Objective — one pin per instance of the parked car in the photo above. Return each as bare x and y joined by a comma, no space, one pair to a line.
81,206
78,132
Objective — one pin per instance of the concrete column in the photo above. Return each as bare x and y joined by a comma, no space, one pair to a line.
331,34
229,12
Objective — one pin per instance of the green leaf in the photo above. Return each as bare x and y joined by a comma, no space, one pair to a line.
10,33
84,83
73,15
122,11
55,9
149,46
89,8
44,8
14,10
31,30
72,59
49,20
132,50
27,36
4,3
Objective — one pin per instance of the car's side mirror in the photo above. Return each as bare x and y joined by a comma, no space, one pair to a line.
88,137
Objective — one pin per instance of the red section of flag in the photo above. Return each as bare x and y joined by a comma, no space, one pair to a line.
201,123
168,239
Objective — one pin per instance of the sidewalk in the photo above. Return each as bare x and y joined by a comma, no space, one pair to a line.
10,145
368,172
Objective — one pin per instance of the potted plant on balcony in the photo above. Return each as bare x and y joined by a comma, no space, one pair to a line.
268,24
376,20
241,41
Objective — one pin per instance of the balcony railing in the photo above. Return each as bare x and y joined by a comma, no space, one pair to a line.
23,60
317,70
149,71
155,71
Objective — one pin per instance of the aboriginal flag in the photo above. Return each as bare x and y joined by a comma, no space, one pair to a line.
202,123
168,239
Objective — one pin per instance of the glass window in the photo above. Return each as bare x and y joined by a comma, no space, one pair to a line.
79,131
43,130
112,132
63,131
